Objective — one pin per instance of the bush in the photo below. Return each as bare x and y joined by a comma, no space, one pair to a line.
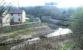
77,27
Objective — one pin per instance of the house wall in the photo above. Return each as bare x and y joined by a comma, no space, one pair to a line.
23,16
16,17
6,20
19,18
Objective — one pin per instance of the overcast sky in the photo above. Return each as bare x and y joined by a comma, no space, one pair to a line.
60,3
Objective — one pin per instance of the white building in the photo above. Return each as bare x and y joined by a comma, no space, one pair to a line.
13,16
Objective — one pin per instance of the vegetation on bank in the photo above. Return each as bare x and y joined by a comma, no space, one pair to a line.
77,28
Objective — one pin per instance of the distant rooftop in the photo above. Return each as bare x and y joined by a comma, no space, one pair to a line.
15,10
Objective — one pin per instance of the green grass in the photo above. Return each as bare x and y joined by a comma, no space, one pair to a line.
67,46
26,31
21,32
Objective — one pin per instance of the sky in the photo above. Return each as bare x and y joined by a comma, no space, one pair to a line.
60,3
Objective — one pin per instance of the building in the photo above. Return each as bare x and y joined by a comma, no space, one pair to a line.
13,16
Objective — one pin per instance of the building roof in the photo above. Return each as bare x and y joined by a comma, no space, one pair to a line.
15,10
